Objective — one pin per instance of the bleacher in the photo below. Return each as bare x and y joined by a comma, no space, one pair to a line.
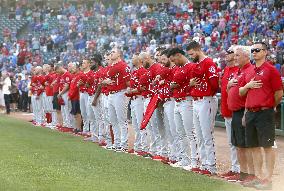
13,25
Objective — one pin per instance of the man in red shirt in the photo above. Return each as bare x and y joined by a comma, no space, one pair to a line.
227,75
85,108
64,84
117,81
155,126
37,84
73,96
48,95
168,102
100,103
137,105
183,110
236,104
263,88
204,87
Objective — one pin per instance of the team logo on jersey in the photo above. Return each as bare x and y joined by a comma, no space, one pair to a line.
212,69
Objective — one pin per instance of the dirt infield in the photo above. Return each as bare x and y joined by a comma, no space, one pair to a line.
222,151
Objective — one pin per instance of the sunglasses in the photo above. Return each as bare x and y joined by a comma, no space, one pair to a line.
256,50
229,52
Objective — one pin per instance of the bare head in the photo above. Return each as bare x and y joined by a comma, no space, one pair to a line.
242,55
86,64
146,59
136,61
72,67
46,68
38,70
259,51
193,49
58,67
115,54
176,55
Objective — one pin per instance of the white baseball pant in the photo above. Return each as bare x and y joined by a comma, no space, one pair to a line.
163,132
92,120
48,107
184,122
106,121
68,119
152,131
137,107
169,121
83,108
38,109
117,108
235,167
98,114
204,113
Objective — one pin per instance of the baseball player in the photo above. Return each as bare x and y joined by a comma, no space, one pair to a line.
48,95
117,81
137,106
98,106
84,96
183,110
37,90
263,87
101,101
158,147
166,95
204,84
228,74
64,84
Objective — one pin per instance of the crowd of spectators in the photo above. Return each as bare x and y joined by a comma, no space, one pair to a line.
75,31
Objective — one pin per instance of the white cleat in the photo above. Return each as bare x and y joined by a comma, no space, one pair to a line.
188,167
177,165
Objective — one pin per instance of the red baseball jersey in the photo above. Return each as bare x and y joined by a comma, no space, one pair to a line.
144,83
48,80
234,100
120,74
167,75
84,76
73,93
64,79
134,80
271,82
102,76
38,85
204,71
228,74
182,78
154,70
93,82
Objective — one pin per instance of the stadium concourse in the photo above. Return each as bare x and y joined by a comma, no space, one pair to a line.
88,68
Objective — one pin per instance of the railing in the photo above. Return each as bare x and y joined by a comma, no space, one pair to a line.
279,117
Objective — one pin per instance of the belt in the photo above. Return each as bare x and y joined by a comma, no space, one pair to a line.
113,92
197,98
136,96
147,96
168,99
180,99
257,109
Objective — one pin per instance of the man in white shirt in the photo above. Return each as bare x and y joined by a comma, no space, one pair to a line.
6,91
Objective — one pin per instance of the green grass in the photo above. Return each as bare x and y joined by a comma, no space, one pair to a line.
34,158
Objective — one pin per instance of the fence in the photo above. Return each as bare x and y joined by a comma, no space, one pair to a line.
279,118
